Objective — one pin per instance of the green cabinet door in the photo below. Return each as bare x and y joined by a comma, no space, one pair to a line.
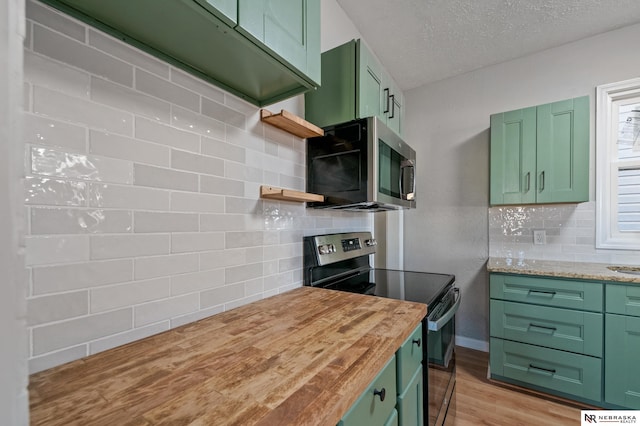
392,103
622,375
370,85
513,157
288,28
410,406
563,151
541,154
225,10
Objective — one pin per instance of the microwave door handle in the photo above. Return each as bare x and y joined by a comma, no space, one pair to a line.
444,319
404,195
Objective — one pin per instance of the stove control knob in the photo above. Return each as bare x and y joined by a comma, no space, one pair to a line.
370,243
326,249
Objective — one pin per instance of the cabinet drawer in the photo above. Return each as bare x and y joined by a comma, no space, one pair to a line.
583,295
409,358
564,372
369,410
623,299
410,407
565,329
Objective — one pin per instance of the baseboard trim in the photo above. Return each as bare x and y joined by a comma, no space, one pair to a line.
466,342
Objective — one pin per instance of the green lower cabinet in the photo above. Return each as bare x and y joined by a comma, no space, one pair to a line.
564,373
410,407
377,403
393,419
622,352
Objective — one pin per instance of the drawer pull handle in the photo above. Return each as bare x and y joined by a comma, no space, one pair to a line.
546,293
544,327
417,342
546,370
381,393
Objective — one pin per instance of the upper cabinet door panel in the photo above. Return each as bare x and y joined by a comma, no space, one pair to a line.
225,10
563,151
287,28
371,84
513,157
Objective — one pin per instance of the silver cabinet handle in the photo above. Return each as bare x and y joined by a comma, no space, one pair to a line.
542,181
527,180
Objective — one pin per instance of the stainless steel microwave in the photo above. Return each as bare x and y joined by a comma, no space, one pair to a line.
361,165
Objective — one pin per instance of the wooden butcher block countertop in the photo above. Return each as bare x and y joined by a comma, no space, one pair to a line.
300,358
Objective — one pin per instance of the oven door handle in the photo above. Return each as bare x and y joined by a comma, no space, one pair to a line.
446,317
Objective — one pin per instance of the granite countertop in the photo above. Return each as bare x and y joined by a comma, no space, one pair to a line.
299,358
581,270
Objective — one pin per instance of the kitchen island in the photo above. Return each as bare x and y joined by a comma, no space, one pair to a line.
299,358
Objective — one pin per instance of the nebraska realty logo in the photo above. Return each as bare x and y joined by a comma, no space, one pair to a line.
607,417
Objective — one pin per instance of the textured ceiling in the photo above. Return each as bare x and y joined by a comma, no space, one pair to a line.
421,41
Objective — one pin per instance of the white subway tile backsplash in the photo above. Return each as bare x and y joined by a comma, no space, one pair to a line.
222,150
54,192
223,113
48,338
153,131
164,178
221,186
127,53
125,148
161,266
222,295
163,89
127,337
80,55
166,309
165,222
196,241
142,195
203,203
57,307
197,163
64,107
54,20
52,359
128,294
221,222
193,122
122,196
49,250
234,274
195,85
197,281
114,95
41,71
79,221
122,246
60,164
74,276
40,130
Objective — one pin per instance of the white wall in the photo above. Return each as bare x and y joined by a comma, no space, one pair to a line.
448,125
14,399
142,193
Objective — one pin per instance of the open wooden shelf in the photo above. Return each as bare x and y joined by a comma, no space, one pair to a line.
273,193
291,123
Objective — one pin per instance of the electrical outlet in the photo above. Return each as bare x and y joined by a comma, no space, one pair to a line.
539,236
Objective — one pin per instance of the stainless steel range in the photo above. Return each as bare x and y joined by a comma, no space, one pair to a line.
341,262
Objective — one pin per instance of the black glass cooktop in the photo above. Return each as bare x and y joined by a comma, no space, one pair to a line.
423,287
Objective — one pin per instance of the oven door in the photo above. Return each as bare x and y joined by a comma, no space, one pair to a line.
442,365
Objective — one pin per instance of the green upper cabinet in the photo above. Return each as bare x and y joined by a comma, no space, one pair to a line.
289,29
354,85
541,154
270,55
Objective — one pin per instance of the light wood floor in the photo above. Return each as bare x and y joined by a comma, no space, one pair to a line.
481,402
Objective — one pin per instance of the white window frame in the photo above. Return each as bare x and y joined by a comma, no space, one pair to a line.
608,96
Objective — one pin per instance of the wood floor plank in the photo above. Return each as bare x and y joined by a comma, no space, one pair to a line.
483,402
